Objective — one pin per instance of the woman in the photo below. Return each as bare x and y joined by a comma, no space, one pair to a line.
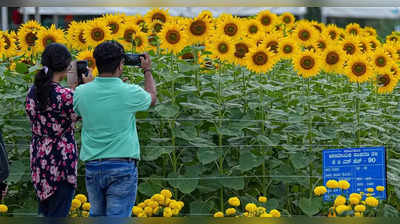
53,152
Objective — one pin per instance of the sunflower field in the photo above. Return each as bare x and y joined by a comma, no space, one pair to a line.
245,105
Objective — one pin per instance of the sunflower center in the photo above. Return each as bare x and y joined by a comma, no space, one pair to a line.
7,42
394,71
157,27
349,48
140,22
173,36
321,45
287,49
241,50
383,80
253,29
260,58
373,44
138,41
307,62
159,16
266,20
97,34
81,39
273,46
48,40
230,29
223,48
198,27
304,35
332,58
363,47
359,69
380,61
353,31
287,19
114,27
90,61
393,38
153,40
188,56
30,39
332,34
128,35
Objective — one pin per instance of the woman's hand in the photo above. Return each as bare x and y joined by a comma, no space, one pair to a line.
88,78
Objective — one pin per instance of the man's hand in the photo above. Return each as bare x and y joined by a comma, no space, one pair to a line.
88,78
145,62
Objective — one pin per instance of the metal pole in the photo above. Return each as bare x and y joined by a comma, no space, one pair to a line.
55,20
25,14
4,18
37,15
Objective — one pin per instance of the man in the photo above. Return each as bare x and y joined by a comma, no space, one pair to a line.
110,145
4,170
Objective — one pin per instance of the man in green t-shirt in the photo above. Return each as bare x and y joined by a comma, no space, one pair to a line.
110,145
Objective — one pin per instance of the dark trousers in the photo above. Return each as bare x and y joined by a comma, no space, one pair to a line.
59,203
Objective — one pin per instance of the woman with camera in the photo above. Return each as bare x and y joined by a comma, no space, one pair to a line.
53,151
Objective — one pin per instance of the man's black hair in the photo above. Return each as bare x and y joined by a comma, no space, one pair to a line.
108,56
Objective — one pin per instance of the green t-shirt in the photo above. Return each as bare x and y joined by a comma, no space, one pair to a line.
107,107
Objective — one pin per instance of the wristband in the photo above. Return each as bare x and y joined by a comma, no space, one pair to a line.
147,70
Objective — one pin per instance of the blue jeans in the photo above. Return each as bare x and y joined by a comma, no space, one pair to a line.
111,187
59,203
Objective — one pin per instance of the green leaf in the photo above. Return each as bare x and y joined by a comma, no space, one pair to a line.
249,161
21,68
17,171
235,183
186,185
310,206
153,153
201,207
299,160
264,140
206,155
272,204
167,110
149,188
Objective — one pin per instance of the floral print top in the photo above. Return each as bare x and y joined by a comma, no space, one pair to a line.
53,151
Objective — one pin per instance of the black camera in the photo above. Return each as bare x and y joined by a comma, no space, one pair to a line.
82,69
133,59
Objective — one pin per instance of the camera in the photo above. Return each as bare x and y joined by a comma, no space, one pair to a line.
133,59
78,70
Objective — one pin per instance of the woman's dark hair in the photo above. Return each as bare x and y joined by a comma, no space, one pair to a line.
55,58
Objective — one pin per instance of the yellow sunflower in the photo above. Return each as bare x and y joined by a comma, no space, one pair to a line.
369,31
390,49
258,39
395,70
75,35
156,26
271,41
229,26
138,20
351,45
253,27
260,60
307,64
199,29
157,14
396,49
96,32
331,31
322,42
393,37
287,18
353,29
127,33
205,14
374,43
305,33
114,22
242,48
141,41
153,42
221,47
333,59
288,48
381,60
48,36
9,47
385,82
87,55
359,69
365,46
14,37
27,35
173,38
267,18
318,26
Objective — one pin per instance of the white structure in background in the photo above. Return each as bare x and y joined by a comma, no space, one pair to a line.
360,12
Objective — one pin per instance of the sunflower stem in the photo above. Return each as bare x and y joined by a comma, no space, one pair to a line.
309,135
220,116
358,115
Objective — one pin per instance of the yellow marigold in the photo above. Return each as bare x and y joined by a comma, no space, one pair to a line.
332,184
147,202
3,208
86,206
175,211
320,190
344,184
246,214
76,203
148,211
359,208
275,213
230,211
142,215
85,213
358,214
158,198
166,193
173,204
156,210
142,205
340,209
354,201
81,197
380,188
266,215
181,204
167,212
261,210
340,200
218,215
251,207
355,195
234,201
262,199
370,190
136,210
371,201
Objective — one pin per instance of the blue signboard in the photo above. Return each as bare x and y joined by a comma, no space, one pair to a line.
362,167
